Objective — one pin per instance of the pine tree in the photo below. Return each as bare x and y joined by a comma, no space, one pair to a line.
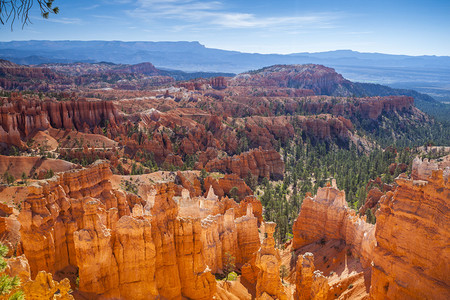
229,265
8,285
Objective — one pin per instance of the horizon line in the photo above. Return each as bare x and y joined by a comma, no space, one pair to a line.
198,42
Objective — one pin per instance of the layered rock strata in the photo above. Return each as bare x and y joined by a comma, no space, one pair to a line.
411,259
268,261
18,119
257,162
128,246
309,283
407,248
327,216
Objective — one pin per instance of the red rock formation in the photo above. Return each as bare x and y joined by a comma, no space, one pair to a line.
256,208
268,261
320,79
373,197
223,186
218,83
309,283
411,259
257,162
405,265
219,238
44,287
248,237
135,254
197,282
374,106
173,160
327,216
17,77
122,246
94,253
18,118
325,126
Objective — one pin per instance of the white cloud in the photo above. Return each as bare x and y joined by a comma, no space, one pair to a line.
65,20
91,7
214,13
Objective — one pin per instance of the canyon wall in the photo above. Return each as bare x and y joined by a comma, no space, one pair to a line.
20,118
327,216
259,163
411,259
408,246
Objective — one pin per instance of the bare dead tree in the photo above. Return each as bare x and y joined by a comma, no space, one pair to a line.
18,10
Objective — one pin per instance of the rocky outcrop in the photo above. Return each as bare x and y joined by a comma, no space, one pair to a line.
131,247
247,237
94,253
218,83
320,79
325,127
77,219
257,162
135,254
219,238
44,287
18,77
373,197
411,258
327,216
423,169
19,118
373,107
405,264
53,210
230,185
309,283
268,261
197,282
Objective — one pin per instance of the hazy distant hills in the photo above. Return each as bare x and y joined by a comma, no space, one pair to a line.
428,74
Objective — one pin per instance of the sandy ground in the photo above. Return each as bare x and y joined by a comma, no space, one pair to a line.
16,165
75,139
346,276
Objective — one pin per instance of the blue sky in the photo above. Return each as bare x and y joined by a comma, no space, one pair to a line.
396,26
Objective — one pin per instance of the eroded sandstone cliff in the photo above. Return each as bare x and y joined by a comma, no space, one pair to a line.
122,245
411,259
407,249
19,118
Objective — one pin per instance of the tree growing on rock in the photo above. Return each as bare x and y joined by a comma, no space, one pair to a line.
9,286
229,265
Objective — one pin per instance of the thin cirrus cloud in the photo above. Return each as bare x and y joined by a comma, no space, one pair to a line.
215,13
65,20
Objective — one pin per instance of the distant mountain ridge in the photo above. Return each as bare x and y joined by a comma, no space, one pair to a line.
426,74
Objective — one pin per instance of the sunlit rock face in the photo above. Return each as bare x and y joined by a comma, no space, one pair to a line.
309,283
258,162
18,119
268,261
327,216
406,249
162,244
411,258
